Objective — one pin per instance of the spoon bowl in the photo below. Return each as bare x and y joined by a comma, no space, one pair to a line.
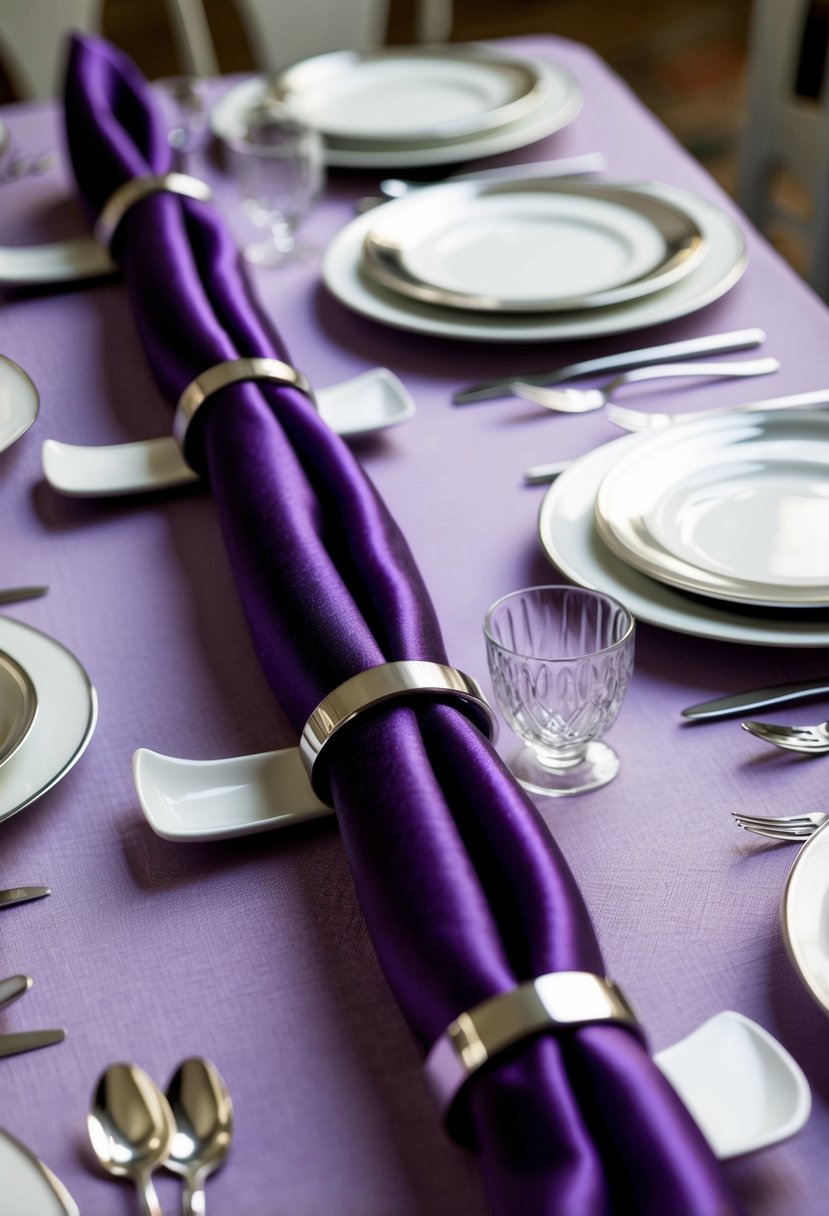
131,1128
203,1114
370,402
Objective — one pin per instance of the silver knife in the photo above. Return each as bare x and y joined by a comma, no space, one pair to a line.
29,1040
757,698
20,895
11,595
741,339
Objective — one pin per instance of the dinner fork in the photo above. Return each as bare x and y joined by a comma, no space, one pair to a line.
808,740
584,401
782,827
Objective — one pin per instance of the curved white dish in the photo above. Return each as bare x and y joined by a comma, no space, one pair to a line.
805,915
19,402
569,538
411,94
29,1186
530,245
218,799
18,705
372,401
558,109
742,1087
55,262
718,271
729,508
65,721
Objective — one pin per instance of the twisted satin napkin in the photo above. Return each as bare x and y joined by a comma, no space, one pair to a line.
463,891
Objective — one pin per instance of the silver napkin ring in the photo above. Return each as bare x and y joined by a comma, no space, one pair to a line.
385,682
132,191
232,371
549,1002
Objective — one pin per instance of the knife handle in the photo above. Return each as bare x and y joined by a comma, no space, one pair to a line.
758,698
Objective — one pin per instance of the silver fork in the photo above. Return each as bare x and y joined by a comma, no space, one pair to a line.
783,827
585,400
808,740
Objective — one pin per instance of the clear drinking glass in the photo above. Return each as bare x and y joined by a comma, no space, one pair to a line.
184,102
561,660
279,165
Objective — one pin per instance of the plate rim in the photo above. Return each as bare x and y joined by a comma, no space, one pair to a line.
30,701
809,853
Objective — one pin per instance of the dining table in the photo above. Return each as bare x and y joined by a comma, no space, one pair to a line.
254,952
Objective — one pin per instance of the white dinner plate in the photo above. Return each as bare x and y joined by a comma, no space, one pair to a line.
721,267
65,719
729,507
569,538
54,262
559,107
530,245
411,95
805,915
19,402
28,1185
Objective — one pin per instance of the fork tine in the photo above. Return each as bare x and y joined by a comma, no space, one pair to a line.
779,821
788,837
786,829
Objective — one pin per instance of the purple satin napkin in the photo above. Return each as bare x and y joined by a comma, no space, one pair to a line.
463,891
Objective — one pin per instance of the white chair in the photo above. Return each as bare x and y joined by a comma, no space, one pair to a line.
785,138
33,33
280,32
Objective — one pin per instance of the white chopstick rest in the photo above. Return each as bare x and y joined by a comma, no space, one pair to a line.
138,188
561,999
387,681
232,371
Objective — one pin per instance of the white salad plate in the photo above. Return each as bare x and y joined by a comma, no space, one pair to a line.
373,401
65,720
18,706
412,94
561,104
530,245
569,538
805,915
29,1187
728,507
54,262
717,271
19,402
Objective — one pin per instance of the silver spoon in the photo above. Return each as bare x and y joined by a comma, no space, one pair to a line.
131,1128
203,1114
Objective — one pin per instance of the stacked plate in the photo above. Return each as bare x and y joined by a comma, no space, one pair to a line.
535,258
401,107
708,527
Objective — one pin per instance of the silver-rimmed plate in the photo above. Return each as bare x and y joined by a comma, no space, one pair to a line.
559,106
345,277
63,725
19,402
569,538
730,508
805,915
18,705
412,95
531,245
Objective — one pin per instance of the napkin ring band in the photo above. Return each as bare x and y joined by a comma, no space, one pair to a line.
137,188
232,371
562,999
386,682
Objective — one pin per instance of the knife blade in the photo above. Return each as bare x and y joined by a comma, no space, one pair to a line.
757,698
20,895
29,1040
742,339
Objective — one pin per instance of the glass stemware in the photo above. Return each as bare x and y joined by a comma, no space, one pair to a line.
279,165
561,660
184,99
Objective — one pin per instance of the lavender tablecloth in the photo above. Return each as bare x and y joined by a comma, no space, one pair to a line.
254,952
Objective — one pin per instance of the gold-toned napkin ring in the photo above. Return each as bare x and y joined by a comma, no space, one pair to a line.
138,188
549,1002
387,681
232,371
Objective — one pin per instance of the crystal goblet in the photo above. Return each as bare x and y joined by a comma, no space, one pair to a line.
184,102
279,165
561,660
